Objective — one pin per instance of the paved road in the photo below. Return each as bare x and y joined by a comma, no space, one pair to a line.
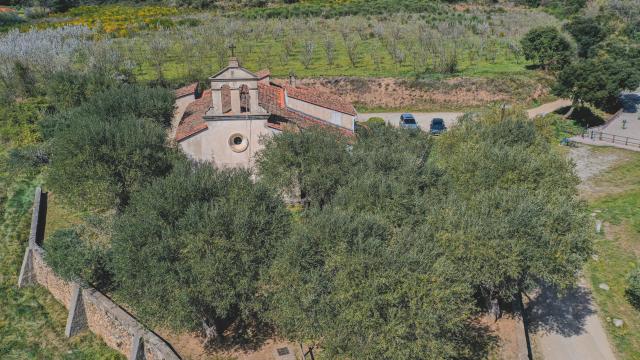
423,119
451,118
625,126
569,328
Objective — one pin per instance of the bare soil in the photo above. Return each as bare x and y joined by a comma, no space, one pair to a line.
510,332
592,161
446,94
191,347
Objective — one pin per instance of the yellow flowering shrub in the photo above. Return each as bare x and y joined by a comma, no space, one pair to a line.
116,20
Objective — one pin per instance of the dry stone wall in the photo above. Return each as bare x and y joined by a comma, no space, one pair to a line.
88,308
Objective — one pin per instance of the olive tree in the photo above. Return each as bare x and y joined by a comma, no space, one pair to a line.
191,248
348,283
109,146
309,164
547,47
514,221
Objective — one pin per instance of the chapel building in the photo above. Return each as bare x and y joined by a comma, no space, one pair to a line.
226,123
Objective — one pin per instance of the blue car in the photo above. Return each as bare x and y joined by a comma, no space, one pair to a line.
407,121
437,126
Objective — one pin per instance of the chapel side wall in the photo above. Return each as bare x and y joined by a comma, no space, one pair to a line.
104,317
319,112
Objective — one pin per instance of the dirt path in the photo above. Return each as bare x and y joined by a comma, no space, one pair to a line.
569,327
548,108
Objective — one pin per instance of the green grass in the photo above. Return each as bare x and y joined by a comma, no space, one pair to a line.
618,252
266,54
31,321
261,43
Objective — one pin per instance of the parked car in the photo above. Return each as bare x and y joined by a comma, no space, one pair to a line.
437,126
407,121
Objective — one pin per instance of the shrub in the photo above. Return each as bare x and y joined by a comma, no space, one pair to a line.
67,89
73,258
29,157
375,121
36,12
190,22
547,47
372,122
19,122
633,287
10,18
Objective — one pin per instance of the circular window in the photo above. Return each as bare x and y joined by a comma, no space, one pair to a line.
238,142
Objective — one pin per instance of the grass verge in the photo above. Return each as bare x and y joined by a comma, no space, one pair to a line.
618,250
31,321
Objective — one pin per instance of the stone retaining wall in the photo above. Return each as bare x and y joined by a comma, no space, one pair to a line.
88,308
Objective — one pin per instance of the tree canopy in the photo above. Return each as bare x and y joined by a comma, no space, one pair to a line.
598,81
489,212
356,262
110,145
309,165
190,249
588,32
547,47
513,218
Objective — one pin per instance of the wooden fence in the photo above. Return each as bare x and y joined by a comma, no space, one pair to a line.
611,138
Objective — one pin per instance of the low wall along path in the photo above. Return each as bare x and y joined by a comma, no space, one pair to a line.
88,307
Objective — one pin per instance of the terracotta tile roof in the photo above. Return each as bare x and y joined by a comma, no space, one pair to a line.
316,97
275,125
263,74
186,90
270,98
192,121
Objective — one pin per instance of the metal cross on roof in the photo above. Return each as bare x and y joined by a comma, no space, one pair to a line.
232,47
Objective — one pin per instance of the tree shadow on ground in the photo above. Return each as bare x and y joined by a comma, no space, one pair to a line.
533,67
582,116
630,102
482,339
564,314
242,337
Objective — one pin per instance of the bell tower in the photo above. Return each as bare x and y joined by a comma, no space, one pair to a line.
234,92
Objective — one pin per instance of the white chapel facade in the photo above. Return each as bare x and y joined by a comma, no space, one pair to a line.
226,123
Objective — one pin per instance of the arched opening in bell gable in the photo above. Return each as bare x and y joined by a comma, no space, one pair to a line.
245,99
